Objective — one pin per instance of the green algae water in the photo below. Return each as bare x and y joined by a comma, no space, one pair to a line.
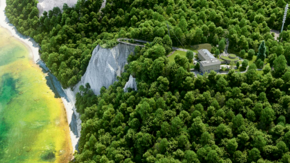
33,125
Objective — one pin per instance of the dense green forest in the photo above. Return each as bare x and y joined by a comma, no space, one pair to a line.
174,116
67,38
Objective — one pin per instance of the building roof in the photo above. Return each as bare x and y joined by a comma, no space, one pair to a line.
209,58
210,63
206,54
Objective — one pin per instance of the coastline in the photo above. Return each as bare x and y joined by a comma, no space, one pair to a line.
28,42
33,47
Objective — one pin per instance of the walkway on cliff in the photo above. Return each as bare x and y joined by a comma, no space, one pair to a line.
124,41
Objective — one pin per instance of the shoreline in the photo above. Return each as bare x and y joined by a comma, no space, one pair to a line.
27,41
33,48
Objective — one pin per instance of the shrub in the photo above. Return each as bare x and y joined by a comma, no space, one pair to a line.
245,64
251,53
242,53
259,63
238,65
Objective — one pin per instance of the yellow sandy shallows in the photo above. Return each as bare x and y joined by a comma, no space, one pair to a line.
35,125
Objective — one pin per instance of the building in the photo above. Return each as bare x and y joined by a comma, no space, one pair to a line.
208,61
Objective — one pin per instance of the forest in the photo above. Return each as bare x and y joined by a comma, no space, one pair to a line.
67,38
174,117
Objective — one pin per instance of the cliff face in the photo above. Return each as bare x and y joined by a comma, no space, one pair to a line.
46,5
104,67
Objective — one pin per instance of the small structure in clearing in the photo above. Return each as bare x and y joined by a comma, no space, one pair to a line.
230,58
208,61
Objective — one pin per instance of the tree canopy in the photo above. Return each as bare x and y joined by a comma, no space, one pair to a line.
177,117
174,116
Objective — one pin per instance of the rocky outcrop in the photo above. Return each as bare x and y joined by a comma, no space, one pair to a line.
131,83
104,67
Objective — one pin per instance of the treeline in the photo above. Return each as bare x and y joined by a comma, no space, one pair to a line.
176,117
67,38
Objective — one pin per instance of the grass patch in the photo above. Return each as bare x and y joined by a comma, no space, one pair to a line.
187,47
181,53
260,72
252,60
202,46
197,47
227,58
232,56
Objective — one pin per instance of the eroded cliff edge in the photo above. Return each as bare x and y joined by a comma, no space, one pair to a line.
104,67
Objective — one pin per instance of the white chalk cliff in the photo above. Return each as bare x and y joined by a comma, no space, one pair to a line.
104,67
46,5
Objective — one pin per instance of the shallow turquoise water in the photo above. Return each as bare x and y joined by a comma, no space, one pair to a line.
33,124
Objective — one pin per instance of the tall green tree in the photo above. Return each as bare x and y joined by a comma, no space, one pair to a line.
262,51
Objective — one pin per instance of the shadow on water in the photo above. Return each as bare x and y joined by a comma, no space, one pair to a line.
48,156
52,82
7,89
73,125
55,86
